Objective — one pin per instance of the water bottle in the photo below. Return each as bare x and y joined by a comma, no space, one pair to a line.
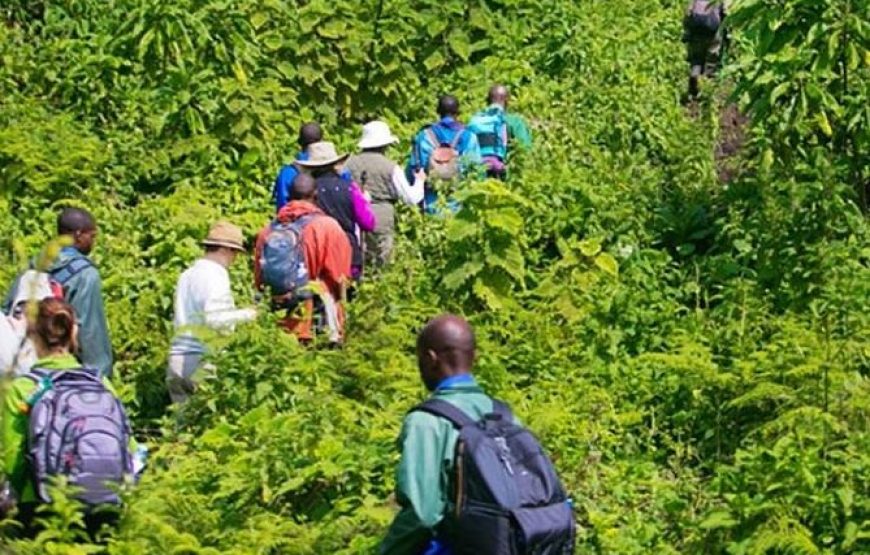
140,458
7,499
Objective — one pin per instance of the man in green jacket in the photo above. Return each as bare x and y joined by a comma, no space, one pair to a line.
82,288
498,131
445,356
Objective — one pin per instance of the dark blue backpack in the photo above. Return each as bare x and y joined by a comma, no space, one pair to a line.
506,498
282,260
704,17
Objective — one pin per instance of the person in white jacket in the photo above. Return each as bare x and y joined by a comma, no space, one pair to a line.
203,299
17,353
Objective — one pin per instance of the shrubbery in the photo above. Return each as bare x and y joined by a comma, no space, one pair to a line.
693,355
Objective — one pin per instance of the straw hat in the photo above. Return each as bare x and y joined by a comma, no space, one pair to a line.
377,134
225,234
321,154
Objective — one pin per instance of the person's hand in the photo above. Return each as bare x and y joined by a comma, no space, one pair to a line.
367,196
420,175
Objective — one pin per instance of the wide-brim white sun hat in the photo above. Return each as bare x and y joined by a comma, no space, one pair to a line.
376,134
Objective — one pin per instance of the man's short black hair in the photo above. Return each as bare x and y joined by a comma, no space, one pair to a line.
304,187
310,133
73,220
448,105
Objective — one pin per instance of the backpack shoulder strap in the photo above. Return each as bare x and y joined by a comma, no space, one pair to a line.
302,222
448,411
36,374
433,137
503,411
454,144
43,380
64,274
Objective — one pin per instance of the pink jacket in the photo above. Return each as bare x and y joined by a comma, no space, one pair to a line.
362,209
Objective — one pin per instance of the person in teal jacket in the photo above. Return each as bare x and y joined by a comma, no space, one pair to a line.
82,288
446,130
498,131
445,356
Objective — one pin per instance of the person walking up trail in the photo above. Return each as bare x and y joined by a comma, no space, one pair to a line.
340,198
498,131
79,279
470,479
203,298
446,150
309,134
704,35
326,272
385,181
96,441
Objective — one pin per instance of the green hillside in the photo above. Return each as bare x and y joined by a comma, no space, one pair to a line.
695,354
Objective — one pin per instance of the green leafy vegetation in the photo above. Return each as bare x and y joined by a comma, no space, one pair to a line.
694,355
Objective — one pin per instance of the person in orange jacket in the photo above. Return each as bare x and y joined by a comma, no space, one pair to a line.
327,253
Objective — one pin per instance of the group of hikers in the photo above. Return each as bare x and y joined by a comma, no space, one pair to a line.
335,221
471,479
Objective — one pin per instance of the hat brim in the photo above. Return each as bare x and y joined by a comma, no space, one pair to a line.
378,143
321,163
225,244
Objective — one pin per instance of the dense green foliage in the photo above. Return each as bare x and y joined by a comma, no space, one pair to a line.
694,356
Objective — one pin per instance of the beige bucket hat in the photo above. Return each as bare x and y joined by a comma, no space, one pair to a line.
225,234
376,134
322,154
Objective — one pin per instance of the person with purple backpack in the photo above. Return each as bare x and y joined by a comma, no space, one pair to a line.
95,452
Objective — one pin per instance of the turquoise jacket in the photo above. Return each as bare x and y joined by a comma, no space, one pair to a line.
423,478
84,292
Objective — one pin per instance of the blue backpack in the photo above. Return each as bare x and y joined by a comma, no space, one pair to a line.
282,261
506,498
491,129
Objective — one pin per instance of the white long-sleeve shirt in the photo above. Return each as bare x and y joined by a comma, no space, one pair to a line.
411,194
203,298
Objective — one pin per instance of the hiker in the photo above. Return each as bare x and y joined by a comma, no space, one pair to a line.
385,181
99,452
498,131
704,35
17,353
454,495
324,271
446,150
309,134
75,274
340,198
203,298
